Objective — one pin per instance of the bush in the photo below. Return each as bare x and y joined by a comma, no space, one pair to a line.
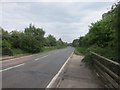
17,51
6,48
107,52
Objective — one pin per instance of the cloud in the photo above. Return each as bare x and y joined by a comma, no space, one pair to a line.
58,0
64,20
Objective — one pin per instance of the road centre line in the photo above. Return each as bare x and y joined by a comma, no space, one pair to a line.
41,57
12,67
20,64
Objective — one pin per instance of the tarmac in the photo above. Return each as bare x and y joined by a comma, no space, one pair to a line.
79,75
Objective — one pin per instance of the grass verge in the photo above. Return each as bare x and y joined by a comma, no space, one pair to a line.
19,52
46,49
80,51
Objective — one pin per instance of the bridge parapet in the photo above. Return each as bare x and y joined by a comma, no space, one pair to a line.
108,70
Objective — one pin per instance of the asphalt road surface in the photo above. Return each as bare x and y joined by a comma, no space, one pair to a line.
35,71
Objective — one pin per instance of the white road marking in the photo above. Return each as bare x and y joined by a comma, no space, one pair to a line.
12,67
37,59
20,64
59,72
41,57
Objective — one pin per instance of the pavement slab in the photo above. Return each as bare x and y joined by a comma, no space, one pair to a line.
79,75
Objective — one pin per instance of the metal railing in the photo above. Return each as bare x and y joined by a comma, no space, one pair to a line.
107,69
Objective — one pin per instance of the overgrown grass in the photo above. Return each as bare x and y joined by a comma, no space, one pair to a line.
106,52
46,49
80,51
84,51
19,52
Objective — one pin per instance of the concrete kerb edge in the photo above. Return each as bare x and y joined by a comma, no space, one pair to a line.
14,57
54,83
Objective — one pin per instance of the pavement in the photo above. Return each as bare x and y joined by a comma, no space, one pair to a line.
34,71
79,75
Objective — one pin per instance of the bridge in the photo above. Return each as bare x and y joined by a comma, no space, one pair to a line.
104,73
60,69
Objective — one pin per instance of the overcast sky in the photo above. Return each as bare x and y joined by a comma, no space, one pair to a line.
66,20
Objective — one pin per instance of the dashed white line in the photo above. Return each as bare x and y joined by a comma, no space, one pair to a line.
41,57
20,64
12,67
37,59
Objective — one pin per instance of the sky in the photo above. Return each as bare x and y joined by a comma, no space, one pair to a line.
66,20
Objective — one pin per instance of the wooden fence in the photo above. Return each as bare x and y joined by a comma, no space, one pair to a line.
108,70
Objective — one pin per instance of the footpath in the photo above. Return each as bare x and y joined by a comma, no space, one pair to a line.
79,75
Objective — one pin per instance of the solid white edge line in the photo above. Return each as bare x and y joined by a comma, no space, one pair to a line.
55,77
12,67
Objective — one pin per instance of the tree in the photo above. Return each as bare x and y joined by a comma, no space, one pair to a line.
6,48
32,39
15,38
51,40
103,36
75,43
60,43
6,44
80,41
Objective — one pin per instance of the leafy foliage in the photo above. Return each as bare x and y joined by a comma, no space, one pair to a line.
76,42
31,40
6,48
15,39
103,35
52,40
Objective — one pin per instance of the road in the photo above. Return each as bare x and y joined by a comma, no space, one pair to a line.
35,71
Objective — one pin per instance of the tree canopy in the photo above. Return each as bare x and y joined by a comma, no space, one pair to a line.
103,35
31,40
